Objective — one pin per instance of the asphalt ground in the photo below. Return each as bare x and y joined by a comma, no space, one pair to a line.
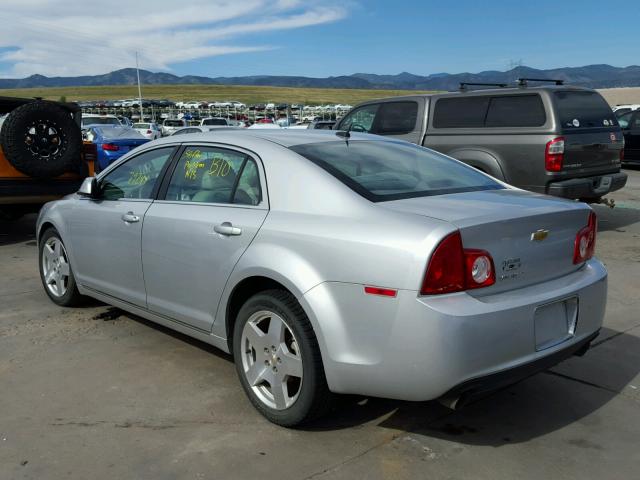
95,393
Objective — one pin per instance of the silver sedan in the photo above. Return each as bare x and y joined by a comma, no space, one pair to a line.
330,262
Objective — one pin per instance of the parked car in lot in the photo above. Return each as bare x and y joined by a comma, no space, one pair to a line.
621,109
170,125
399,283
202,129
149,130
214,121
92,119
42,157
558,140
112,142
630,124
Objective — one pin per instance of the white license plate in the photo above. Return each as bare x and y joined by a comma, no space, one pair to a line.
555,322
605,182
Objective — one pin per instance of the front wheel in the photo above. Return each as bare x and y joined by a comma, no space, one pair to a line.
278,359
55,270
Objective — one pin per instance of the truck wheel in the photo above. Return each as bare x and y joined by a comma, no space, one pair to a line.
41,140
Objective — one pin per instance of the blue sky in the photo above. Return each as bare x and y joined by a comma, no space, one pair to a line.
294,37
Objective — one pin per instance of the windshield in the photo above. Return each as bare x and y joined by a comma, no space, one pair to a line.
174,123
214,121
583,109
100,121
382,171
141,125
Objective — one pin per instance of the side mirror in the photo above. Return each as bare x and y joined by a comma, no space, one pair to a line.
89,188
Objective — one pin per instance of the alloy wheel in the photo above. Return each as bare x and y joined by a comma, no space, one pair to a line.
55,267
271,360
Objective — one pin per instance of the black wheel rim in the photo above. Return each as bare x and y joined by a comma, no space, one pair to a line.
44,139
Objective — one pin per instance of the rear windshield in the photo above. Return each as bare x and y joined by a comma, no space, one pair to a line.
141,125
583,109
174,123
214,121
383,171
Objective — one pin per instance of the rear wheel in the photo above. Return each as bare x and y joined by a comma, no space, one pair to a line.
55,270
278,359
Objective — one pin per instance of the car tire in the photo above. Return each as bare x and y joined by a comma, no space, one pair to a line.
303,398
41,140
56,273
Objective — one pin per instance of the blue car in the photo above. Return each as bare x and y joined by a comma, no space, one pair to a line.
112,142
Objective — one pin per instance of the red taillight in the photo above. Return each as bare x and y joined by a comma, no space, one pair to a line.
149,132
110,147
554,155
385,292
453,268
585,244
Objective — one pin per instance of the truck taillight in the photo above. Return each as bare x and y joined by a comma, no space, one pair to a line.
554,155
453,268
585,243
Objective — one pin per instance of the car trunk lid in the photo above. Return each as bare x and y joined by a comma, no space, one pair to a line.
530,237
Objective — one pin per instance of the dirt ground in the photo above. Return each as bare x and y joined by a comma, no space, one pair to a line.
618,96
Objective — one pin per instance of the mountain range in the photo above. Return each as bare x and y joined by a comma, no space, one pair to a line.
594,76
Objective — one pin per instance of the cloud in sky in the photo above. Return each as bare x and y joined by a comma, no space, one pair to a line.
71,37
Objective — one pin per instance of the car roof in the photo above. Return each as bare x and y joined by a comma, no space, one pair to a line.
479,92
287,138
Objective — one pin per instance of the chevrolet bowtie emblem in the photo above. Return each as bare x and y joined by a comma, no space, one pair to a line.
539,235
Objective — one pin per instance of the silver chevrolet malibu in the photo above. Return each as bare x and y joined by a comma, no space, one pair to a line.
332,262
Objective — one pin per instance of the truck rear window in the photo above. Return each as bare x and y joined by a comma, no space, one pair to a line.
383,171
583,109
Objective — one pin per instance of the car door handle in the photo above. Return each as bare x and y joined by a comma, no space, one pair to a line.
226,228
129,217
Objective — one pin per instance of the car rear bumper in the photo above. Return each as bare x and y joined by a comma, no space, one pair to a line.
589,187
415,347
475,388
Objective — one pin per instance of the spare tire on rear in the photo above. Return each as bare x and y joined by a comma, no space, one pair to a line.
41,139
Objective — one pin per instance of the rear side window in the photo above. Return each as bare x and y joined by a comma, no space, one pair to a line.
583,109
214,175
516,111
382,171
460,112
396,118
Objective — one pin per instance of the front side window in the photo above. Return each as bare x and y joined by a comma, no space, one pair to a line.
383,171
623,120
215,175
396,118
136,177
360,119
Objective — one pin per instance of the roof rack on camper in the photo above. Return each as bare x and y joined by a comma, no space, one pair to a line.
522,82
464,85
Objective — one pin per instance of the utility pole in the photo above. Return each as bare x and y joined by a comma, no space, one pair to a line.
139,90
